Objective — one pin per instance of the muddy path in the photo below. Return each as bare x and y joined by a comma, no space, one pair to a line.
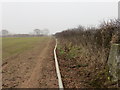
32,69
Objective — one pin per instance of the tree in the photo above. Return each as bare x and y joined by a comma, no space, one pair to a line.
37,31
5,32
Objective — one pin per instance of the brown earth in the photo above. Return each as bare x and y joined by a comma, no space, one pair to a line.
73,76
33,68
83,74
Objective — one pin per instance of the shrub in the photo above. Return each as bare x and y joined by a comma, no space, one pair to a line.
96,41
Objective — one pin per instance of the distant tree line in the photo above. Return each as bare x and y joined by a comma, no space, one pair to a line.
36,32
41,32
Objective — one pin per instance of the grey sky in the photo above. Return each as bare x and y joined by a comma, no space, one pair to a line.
24,17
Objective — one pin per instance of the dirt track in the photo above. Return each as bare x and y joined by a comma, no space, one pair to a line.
32,69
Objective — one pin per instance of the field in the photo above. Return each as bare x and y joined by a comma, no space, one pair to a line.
82,56
28,62
16,45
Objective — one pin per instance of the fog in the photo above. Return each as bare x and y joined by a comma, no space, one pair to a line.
24,17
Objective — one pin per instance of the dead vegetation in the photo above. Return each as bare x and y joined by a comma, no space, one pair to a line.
85,52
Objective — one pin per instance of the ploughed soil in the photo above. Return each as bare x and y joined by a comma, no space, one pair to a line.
33,68
72,75
83,75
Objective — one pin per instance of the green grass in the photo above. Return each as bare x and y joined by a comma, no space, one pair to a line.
15,45
69,50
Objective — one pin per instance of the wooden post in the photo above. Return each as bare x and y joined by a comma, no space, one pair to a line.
114,62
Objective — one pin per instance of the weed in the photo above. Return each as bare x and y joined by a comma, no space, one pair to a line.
69,51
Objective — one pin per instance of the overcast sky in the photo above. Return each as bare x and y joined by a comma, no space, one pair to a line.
24,17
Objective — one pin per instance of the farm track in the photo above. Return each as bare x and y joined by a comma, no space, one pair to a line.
32,69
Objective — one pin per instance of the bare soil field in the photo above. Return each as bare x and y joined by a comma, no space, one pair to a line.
33,68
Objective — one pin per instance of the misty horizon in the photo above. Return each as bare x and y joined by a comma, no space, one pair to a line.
24,17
